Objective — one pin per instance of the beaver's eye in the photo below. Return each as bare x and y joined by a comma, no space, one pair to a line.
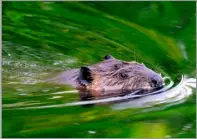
117,66
123,75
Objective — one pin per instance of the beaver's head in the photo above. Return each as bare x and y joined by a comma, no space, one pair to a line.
116,77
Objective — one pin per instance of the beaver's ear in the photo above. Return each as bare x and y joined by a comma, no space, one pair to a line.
108,57
85,75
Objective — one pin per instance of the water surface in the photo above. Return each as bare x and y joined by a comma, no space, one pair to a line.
41,39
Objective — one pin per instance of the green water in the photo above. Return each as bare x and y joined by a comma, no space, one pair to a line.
41,39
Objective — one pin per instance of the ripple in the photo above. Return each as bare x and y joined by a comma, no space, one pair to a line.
55,97
175,95
167,95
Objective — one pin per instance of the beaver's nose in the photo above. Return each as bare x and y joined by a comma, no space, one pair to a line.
156,81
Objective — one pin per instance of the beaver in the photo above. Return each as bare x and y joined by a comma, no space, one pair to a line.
111,77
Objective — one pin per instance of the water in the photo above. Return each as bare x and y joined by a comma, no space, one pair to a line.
41,39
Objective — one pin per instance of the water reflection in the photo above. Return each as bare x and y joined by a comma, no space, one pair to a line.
41,39
168,95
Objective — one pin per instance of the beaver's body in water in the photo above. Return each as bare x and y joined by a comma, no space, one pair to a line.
111,77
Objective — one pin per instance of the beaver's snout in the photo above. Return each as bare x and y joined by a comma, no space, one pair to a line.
157,82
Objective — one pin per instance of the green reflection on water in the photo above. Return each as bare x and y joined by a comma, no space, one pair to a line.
41,39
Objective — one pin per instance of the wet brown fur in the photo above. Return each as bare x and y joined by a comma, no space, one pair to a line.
111,77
